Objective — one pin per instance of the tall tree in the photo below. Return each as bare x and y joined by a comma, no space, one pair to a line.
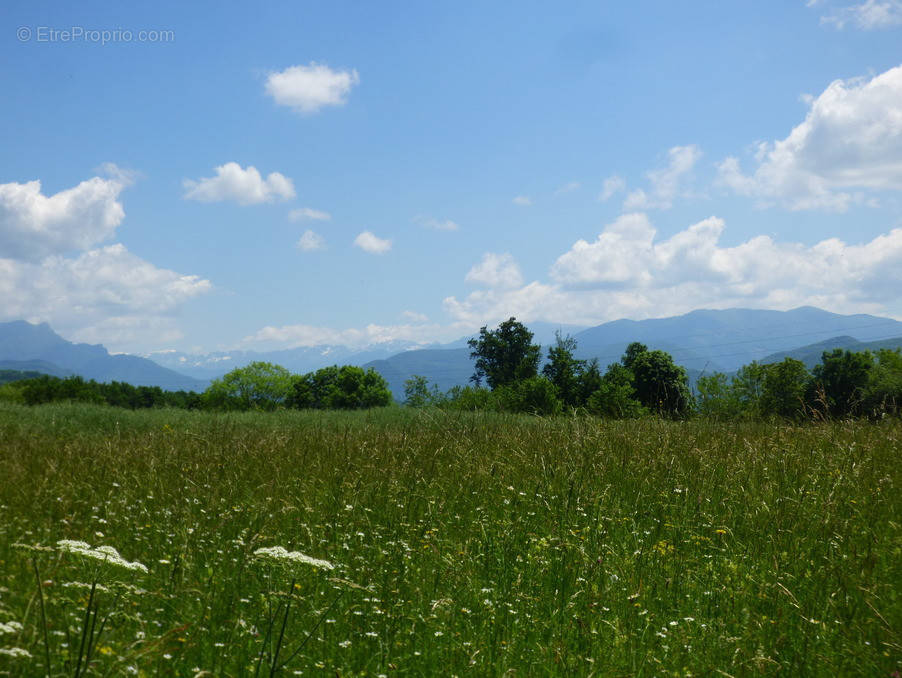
565,371
661,385
505,355
841,378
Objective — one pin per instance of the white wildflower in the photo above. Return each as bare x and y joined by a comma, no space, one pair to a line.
107,554
15,652
10,627
279,553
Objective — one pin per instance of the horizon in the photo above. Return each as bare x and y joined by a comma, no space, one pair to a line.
183,179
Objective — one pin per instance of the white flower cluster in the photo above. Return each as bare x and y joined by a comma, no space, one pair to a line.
105,553
10,627
15,652
282,555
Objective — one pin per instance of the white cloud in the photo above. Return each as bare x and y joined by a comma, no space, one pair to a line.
307,89
435,224
568,188
293,336
667,183
612,185
496,270
869,15
104,295
522,200
372,244
311,241
33,226
307,213
849,144
244,186
627,272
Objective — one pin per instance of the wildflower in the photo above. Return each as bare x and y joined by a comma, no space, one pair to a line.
278,553
15,652
10,627
106,554
345,643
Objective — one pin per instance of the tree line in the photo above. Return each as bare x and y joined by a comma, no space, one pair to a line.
510,376
649,382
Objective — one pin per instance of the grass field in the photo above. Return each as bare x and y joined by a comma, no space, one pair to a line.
462,544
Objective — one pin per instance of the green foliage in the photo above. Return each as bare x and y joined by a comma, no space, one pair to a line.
534,395
717,398
615,396
841,379
565,371
883,393
661,385
505,355
257,386
472,399
418,394
748,388
339,388
784,389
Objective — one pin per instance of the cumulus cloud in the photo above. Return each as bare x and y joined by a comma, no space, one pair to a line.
435,224
244,186
628,272
307,89
666,183
311,241
104,295
611,186
496,270
522,200
849,145
869,15
33,225
371,243
308,214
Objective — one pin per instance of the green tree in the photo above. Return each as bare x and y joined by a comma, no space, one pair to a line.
418,394
661,385
883,393
615,396
748,388
716,398
339,388
565,371
784,388
841,379
258,386
505,355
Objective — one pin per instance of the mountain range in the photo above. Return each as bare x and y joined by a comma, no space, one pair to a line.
702,341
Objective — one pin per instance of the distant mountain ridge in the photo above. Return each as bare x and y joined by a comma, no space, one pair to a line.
811,354
701,341
24,346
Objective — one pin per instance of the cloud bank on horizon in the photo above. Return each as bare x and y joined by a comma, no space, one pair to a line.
689,230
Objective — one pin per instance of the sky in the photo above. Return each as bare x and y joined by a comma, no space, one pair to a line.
208,176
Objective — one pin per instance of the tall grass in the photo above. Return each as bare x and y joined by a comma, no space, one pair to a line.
463,544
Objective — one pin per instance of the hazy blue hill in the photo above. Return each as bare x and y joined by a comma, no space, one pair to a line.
701,341
811,354
27,344
39,366
445,367
727,339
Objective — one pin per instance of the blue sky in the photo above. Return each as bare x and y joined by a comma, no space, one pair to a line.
221,175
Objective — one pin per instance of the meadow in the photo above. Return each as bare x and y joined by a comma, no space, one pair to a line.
445,543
